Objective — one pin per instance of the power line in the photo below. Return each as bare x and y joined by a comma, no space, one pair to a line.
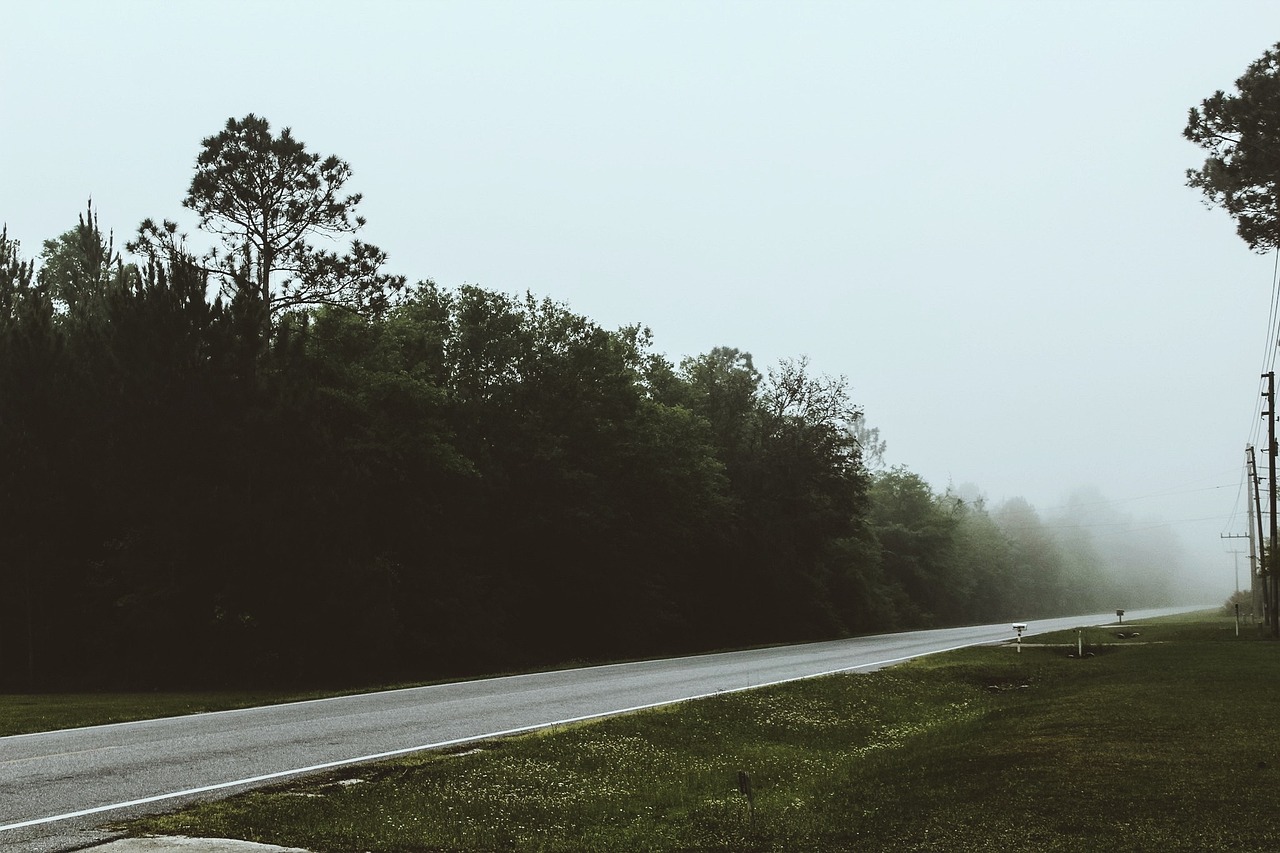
1269,348
1273,318
1125,525
1150,495
1240,491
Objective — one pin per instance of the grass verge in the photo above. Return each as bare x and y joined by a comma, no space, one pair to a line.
1155,742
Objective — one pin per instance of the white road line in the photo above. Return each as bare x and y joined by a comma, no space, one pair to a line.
445,743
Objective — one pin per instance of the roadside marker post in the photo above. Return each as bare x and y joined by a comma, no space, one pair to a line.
744,788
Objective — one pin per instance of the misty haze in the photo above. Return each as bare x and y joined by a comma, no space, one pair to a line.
827,377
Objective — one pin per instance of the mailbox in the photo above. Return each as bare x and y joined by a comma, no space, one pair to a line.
1019,627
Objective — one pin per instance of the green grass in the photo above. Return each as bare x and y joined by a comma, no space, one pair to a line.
1161,742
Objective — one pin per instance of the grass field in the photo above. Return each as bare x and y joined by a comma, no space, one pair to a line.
1158,742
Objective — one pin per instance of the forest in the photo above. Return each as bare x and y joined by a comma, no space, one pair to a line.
266,463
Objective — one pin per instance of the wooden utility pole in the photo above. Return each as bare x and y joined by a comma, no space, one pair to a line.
1236,555
1273,600
1255,566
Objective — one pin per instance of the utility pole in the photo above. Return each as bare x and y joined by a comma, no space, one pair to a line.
1253,547
1236,554
1235,599
1273,602
1255,512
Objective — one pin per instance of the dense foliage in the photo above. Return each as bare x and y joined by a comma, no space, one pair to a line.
455,482
1241,172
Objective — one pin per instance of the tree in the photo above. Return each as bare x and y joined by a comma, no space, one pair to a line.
81,264
814,410
1038,580
1241,133
722,386
265,197
16,276
916,529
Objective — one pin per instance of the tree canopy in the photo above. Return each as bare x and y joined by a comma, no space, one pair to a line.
463,481
1241,134
266,197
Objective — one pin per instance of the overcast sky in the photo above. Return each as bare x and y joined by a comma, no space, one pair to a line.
976,211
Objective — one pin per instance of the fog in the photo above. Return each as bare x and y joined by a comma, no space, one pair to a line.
1141,556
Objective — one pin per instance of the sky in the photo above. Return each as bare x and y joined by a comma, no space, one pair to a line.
974,211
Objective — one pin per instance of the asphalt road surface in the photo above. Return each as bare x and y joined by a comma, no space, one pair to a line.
57,787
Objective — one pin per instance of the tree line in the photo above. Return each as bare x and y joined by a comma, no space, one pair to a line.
269,463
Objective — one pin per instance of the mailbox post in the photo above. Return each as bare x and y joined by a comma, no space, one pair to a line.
1120,616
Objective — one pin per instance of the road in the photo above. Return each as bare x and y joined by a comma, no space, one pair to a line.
57,787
